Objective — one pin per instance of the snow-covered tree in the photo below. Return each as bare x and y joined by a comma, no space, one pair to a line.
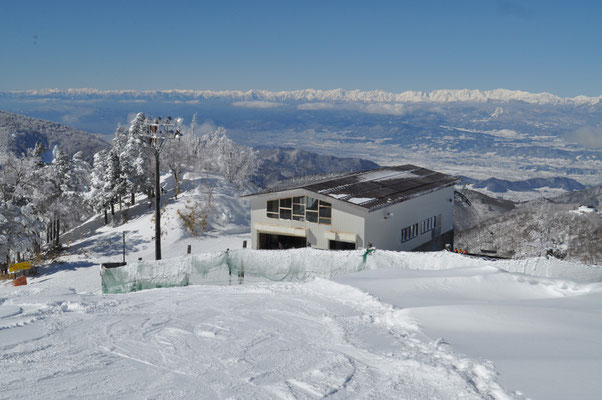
19,229
178,158
115,184
17,175
59,196
135,156
216,152
98,198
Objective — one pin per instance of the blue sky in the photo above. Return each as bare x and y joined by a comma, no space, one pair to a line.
537,46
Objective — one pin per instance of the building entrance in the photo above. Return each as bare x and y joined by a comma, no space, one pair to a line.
338,245
269,241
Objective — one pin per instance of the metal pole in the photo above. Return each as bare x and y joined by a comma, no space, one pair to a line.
124,246
157,205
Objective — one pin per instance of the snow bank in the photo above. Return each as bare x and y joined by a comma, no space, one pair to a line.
305,264
543,267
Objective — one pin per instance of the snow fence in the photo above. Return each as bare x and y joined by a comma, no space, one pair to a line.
299,265
233,266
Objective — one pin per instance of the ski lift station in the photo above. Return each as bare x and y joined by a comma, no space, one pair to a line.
393,208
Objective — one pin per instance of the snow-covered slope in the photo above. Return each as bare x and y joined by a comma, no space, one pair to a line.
19,133
544,336
535,228
203,196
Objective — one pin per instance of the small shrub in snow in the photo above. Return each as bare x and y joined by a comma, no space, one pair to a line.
194,218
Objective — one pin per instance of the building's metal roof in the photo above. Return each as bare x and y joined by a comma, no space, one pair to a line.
376,188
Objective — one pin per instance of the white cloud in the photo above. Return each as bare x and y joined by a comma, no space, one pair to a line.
316,106
587,136
384,108
134,101
373,108
257,104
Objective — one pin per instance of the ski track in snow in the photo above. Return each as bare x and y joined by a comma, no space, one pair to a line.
312,340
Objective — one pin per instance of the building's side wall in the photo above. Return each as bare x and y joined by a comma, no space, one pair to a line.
386,233
345,219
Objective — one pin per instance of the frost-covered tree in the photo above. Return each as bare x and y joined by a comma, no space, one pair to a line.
114,184
178,158
135,156
60,195
17,175
216,152
107,182
98,198
34,193
19,229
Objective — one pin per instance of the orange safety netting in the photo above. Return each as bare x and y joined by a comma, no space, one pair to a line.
20,281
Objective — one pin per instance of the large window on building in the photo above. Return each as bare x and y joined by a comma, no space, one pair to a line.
286,208
428,224
301,208
311,209
325,213
409,232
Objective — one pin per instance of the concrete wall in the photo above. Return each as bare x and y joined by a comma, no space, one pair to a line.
345,219
386,233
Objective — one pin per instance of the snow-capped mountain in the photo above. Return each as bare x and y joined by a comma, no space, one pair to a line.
313,95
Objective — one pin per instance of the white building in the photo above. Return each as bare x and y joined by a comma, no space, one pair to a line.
394,208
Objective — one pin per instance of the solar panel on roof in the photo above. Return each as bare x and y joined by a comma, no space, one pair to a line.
422,171
383,185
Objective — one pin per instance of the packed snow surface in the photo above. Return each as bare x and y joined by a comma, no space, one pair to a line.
543,335
400,333
275,340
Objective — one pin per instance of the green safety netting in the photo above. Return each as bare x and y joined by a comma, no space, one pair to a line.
232,266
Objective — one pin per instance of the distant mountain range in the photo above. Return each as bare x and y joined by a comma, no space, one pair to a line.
568,226
512,135
279,164
502,185
19,133
317,95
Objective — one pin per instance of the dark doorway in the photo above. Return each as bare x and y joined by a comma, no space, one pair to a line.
337,245
268,241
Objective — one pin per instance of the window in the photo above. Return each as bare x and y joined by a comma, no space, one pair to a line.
428,224
311,209
272,209
409,233
286,209
325,213
300,208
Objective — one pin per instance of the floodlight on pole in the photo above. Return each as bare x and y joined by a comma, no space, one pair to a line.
158,133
